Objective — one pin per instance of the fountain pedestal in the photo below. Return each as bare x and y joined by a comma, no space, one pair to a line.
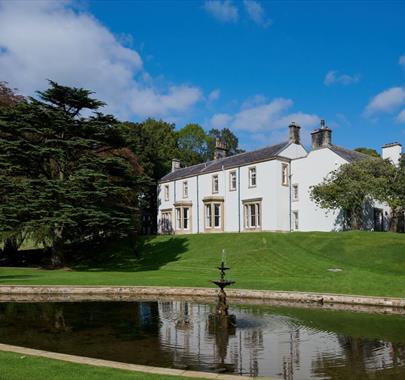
221,318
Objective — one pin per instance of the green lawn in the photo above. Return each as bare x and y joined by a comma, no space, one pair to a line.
20,367
372,263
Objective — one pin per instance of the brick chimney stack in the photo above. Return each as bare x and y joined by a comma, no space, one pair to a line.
294,133
393,152
175,164
321,137
220,149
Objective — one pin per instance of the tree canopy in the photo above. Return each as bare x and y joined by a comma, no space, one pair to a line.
369,151
65,177
354,184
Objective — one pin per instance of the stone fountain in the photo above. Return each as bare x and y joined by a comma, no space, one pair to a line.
221,318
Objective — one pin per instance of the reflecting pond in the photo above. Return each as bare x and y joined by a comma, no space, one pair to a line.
284,342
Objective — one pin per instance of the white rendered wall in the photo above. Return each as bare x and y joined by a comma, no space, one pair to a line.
269,189
307,172
293,151
393,153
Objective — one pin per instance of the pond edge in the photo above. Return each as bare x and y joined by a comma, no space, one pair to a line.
123,366
385,304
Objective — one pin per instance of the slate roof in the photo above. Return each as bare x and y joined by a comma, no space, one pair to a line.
347,154
247,158
237,160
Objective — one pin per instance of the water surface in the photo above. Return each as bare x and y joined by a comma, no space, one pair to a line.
283,342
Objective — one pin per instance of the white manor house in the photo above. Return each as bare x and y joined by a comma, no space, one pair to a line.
264,190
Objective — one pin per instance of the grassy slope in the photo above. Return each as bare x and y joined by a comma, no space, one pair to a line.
18,367
372,263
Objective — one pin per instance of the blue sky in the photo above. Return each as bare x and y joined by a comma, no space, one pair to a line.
250,65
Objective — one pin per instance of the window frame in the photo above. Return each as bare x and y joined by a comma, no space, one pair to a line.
232,176
296,220
185,189
166,221
215,180
247,215
179,218
295,196
251,170
166,192
284,174
210,216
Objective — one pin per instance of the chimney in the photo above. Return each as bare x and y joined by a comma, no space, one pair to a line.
175,164
220,149
392,152
321,137
294,133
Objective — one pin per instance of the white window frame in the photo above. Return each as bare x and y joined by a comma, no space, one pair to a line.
213,220
208,215
185,189
180,212
167,192
295,192
256,207
252,177
295,220
233,184
215,184
166,222
284,174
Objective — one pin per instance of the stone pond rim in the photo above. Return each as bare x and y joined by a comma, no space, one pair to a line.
128,291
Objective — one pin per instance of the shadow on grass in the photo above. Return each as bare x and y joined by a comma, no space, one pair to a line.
149,254
20,277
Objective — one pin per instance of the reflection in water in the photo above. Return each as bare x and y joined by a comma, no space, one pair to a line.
284,343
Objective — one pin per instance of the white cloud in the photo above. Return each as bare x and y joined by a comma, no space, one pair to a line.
146,102
256,13
265,117
332,77
401,117
386,101
220,120
402,61
214,95
50,39
223,11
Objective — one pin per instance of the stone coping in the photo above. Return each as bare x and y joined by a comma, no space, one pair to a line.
311,297
124,366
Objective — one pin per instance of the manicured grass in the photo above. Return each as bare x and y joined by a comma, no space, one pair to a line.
20,367
372,263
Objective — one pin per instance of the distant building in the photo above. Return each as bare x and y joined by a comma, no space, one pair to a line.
264,190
